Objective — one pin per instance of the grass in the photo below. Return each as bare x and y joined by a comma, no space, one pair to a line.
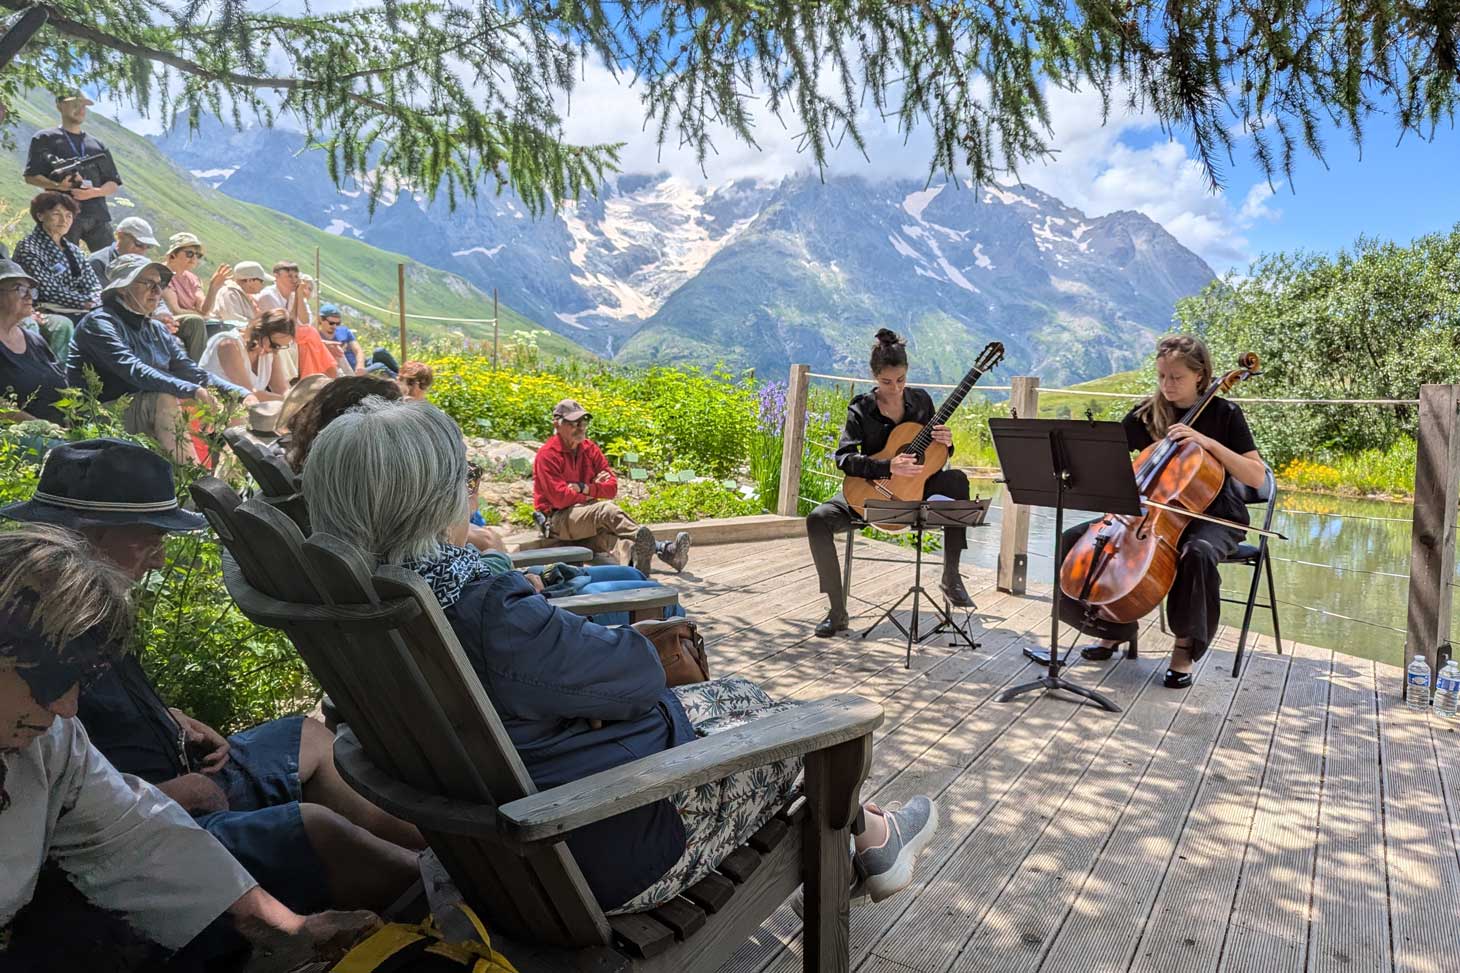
171,200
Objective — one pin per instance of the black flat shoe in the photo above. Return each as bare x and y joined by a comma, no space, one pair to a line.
1099,653
957,594
1177,680
834,622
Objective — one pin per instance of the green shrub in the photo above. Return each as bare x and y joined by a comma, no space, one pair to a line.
671,502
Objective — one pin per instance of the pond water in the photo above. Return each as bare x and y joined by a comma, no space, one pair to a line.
1341,576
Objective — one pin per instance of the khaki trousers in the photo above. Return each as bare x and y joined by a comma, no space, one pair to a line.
599,526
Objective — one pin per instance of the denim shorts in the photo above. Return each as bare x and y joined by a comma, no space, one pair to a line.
262,827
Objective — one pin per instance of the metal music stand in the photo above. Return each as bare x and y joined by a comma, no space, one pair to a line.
920,515
1065,463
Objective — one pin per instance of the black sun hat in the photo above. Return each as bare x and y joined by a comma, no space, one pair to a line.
105,483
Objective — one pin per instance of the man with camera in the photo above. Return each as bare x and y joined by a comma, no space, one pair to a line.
68,160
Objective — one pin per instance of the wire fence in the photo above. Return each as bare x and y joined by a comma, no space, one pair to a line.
356,301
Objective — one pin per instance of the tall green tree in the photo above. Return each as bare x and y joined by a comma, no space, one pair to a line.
1374,322
456,95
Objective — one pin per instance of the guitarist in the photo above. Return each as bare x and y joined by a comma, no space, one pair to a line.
871,416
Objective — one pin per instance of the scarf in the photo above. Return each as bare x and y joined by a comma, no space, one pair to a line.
452,568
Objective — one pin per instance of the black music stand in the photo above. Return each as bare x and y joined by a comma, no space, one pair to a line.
920,515
1059,463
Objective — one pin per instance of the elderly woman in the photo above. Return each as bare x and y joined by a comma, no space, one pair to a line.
68,286
28,370
575,697
246,358
64,615
185,300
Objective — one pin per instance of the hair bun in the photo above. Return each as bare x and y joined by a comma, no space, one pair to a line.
886,336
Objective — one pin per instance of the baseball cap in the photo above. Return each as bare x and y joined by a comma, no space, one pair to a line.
329,311
138,229
569,409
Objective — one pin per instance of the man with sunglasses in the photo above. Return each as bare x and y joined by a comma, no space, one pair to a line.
573,486
133,354
122,844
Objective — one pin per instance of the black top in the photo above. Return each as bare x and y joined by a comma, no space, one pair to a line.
34,377
1223,421
131,726
51,147
867,430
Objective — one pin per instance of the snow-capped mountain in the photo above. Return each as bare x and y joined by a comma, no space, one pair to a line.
761,274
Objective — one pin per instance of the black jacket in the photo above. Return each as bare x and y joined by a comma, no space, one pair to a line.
867,430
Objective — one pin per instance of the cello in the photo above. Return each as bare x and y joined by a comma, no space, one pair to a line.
1124,566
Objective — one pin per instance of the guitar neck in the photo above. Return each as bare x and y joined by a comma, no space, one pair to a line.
945,411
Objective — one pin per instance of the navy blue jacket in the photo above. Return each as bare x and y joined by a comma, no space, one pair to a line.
548,672
133,353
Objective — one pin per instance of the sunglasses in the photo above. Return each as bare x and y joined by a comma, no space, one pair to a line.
49,681
195,254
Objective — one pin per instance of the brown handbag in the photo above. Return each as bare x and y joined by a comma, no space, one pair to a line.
681,649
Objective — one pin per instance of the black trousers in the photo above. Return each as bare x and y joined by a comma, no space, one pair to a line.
1194,604
834,517
93,229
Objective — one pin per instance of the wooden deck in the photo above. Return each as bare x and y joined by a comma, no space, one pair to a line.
1299,818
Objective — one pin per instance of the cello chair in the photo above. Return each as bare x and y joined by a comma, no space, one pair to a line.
1256,557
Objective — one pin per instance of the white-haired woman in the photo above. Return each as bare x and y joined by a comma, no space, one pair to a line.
576,698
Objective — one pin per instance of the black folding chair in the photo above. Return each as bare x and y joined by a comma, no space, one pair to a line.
1256,557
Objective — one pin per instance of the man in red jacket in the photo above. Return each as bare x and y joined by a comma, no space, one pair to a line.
574,488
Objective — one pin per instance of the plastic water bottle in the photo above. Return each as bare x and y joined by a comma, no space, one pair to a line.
1417,684
1447,691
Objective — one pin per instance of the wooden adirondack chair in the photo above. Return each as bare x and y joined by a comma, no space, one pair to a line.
424,742
279,486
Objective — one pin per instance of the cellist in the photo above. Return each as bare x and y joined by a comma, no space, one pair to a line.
1193,606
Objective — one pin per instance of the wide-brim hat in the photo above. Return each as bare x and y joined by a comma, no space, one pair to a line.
300,395
105,483
126,268
263,418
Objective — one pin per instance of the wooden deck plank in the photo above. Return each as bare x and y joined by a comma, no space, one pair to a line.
1350,911
1268,928
1424,879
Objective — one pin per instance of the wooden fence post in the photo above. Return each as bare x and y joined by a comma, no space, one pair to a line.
400,280
1013,566
496,332
1432,536
793,440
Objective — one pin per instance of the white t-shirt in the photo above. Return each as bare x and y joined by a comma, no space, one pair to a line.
262,370
124,844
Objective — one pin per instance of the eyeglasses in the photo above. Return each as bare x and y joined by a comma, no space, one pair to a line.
151,283
276,346
49,681
24,290
474,474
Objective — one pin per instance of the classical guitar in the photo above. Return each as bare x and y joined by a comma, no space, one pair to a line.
917,438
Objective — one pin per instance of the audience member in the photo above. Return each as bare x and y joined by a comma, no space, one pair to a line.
333,328
134,235
271,794
573,486
286,292
134,355
246,358
184,296
382,362
415,378
90,185
28,370
576,698
237,300
68,288
123,844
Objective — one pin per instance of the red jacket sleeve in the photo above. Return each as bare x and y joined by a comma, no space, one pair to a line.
597,463
549,485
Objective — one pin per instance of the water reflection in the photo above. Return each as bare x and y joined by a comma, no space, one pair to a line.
1347,563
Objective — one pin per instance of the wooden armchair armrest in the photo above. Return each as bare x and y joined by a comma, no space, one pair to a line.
638,602
550,815
797,731
543,556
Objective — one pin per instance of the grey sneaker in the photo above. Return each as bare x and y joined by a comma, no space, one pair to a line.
643,554
675,553
889,869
